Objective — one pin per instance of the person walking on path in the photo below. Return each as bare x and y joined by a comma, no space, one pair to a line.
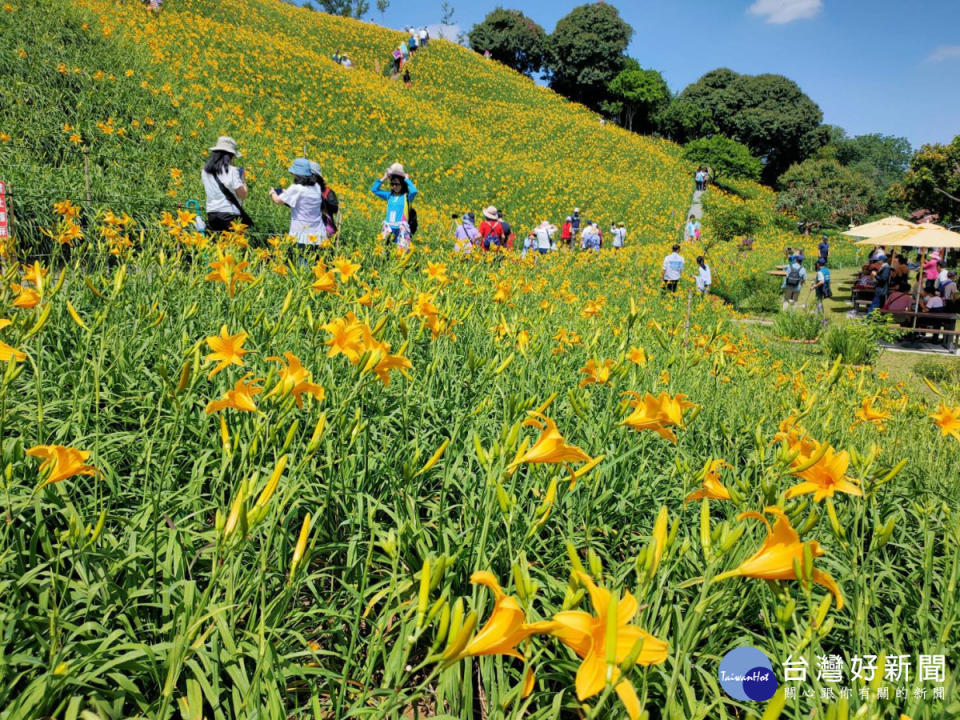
331,203
703,277
566,232
699,178
406,77
466,234
823,249
574,225
619,234
396,224
424,37
822,285
304,197
225,186
793,282
672,269
882,288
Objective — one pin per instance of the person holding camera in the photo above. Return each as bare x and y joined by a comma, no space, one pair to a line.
225,187
304,197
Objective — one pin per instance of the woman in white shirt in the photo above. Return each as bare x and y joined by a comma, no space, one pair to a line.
704,276
305,199
221,209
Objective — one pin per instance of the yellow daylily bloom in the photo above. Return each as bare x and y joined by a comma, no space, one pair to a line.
711,487
7,352
348,337
240,397
596,374
550,446
775,558
227,349
295,380
948,420
27,298
505,628
62,462
587,636
657,413
346,268
826,476
637,356
228,271
868,414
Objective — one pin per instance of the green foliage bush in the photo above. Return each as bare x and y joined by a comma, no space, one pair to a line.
798,325
936,370
725,157
733,221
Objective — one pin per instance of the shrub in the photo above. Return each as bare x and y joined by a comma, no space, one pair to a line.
936,370
798,325
858,342
733,221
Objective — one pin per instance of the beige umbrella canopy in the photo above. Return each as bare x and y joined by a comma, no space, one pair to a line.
925,235
879,227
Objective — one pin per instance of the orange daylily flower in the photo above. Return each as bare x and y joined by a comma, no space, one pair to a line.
437,272
228,271
948,420
711,488
27,298
826,476
239,397
295,380
346,268
227,349
348,336
381,361
657,413
637,356
505,628
596,374
586,635
62,462
550,446
867,414
775,558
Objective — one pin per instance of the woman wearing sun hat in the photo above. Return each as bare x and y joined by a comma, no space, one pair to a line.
305,200
224,185
402,191
492,235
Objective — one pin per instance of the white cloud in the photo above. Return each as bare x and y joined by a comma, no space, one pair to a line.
945,52
779,12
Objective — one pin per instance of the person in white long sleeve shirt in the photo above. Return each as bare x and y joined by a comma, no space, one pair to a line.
704,277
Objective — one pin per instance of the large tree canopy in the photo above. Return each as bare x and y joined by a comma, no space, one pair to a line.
770,114
512,38
586,51
932,166
824,191
637,95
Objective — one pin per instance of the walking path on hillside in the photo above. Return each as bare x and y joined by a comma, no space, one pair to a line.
696,207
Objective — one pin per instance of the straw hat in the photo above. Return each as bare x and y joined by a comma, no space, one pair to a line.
396,169
490,213
226,143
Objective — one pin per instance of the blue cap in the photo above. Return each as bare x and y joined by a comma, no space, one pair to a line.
301,166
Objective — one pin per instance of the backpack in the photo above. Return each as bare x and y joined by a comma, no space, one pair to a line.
793,277
328,220
493,237
411,213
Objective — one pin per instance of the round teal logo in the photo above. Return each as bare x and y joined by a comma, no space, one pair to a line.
747,674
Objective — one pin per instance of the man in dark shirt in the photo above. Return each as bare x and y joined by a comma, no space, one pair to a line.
575,223
882,288
824,248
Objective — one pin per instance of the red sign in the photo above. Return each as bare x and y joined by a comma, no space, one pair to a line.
4,231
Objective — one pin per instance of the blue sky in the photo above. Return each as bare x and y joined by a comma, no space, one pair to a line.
887,66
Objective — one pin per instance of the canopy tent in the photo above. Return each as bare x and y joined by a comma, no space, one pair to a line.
925,235
879,227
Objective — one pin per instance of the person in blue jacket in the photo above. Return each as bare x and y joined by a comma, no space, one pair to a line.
401,193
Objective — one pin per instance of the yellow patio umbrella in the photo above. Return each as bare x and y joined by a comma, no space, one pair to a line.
879,227
925,235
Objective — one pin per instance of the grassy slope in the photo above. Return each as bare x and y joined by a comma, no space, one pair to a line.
470,132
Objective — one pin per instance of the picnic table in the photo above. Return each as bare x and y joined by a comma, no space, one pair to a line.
944,324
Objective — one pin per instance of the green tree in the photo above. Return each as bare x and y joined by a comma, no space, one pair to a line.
769,114
932,167
883,158
382,6
512,38
725,157
824,191
640,94
347,8
586,51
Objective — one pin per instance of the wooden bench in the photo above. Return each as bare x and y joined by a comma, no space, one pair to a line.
906,317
